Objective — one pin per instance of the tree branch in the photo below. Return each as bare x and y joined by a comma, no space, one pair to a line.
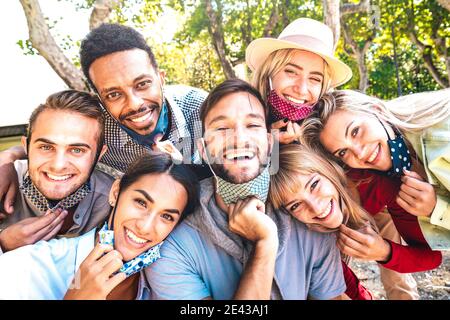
362,6
425,50
215,29
101,12
45,44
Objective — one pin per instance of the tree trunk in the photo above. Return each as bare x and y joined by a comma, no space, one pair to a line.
215,29
425,50
445,4
44,43
273,20
101,12
331,12
359,54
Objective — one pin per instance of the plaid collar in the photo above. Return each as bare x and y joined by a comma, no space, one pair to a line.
43,204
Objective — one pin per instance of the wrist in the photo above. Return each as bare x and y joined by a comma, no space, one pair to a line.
387,252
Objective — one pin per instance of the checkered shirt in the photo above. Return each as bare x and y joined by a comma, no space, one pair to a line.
184,103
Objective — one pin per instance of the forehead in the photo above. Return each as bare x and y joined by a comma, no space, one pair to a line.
112,69
234,107
65,127
307,60
173,195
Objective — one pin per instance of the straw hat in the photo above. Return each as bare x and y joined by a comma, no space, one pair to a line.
304,34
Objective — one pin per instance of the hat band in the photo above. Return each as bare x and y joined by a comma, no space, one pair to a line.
311,43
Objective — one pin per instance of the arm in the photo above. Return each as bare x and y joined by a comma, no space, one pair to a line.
247,218
9,184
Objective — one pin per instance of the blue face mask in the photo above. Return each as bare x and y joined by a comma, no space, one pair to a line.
161,128
106,236
400,156
143,260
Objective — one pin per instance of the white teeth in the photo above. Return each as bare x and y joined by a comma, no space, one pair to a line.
374,154
232,155
134,237
300,101
143,118
59,178
326,212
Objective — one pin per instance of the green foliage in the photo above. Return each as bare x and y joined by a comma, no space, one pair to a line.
190,58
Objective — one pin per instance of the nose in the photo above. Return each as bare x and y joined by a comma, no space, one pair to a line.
301,86
59,161
314,204
359,150
146,224
135,101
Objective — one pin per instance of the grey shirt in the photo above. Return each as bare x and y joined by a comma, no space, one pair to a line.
90,212
202,258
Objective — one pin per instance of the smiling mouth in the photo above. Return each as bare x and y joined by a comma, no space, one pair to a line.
374,154
134,238
142,118
238,155
297,102
58,178
327,211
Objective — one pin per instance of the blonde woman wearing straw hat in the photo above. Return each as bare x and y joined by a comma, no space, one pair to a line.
293,71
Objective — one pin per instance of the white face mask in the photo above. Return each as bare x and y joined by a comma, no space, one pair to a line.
231,192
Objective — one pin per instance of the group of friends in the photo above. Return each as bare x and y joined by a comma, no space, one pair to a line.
261,190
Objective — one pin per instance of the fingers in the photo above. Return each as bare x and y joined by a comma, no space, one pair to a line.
97,253
297,130
410,191
53,232
280,124
158,137
255,202
110,262
10,196
407,198
114,281
405,205
414,183
413,174
353,234
58,218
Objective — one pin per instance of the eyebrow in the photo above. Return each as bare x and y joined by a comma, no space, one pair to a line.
300,68
346,133
306,185
149,198
77,144
138,78
250,115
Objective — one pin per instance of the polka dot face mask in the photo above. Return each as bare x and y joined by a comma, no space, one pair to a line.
400,157
282,109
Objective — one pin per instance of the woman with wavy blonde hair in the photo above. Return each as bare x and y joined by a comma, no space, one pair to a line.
366,133
315,191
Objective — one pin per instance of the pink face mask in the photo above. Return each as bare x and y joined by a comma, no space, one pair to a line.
282,109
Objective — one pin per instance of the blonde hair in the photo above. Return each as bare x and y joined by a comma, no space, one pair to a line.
274,63
297,159
412,113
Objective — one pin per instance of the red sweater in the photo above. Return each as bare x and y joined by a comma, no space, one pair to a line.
381,191
355,290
